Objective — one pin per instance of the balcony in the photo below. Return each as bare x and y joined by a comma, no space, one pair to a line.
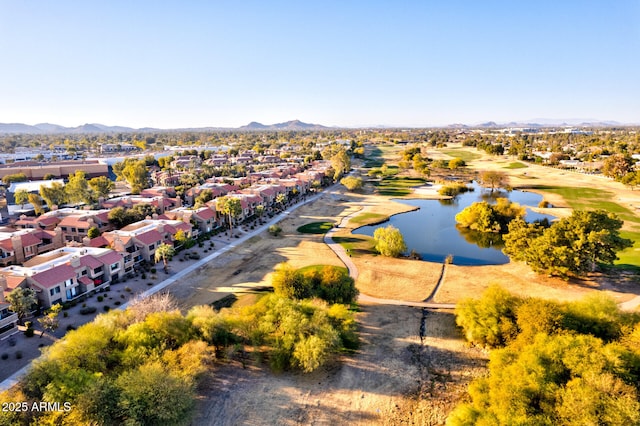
8,325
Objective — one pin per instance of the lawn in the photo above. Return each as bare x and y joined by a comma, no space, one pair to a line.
356,244
516,165
580,198
368,219
320,267
315,228
464,155
397,186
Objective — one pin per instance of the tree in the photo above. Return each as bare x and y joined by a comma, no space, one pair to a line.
616,166
93,232
260,212
134,172
203,197
456,163
631,179
77,189
290,283
53,195
49,321
22,301
231,207
275,230
389,241
164,252
485,217
36,202
16,177
351,183
280,200
493,179
102,186
571,246
341,163
22,197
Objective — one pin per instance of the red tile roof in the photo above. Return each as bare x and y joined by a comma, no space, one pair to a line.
110,258
54,276
100,241
29,240
85,280
149,237
76,221
90,261
205,213
6,244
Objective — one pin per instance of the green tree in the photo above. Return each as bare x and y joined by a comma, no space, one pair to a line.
36,202
389,241
456,163
631,179
351,183
231,207
22,301
485,217
77,189
49,321
203,197
164,252
570,246
260,212
53,195
290,283
22,197
93,232
280,200
134,172
102,186
341,163
16,177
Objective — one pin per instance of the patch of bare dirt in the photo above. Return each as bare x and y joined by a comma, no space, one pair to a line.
393,379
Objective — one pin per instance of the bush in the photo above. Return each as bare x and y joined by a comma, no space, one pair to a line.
275,230
117,303
88,310
154,270
544,204
19,355
4,356
106,308
128,289
100,298
70,327
29,332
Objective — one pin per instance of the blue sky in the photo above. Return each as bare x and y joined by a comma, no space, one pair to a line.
172,64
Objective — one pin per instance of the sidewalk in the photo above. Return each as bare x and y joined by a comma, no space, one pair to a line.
30,347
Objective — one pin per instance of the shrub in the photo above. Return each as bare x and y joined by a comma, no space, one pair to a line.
88,310
117,303
544,204
84,305
128,289
154,270
4,356
70,327
106,308
65,314
29,332
100,298
19,355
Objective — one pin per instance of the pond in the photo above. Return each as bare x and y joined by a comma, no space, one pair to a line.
431,230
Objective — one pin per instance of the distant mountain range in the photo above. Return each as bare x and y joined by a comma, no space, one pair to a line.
47,128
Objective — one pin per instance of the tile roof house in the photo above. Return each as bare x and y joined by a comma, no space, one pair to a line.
23,244
65,274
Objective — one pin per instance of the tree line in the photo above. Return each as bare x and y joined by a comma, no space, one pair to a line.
551,363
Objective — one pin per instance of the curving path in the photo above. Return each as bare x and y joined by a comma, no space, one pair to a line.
353,273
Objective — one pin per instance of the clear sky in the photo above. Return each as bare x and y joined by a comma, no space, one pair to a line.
172,64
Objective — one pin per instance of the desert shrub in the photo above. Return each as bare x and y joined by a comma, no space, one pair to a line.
4,356
88,310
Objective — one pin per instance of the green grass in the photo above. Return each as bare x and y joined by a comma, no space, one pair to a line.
356,244
466,156
315,228
319,268
394,186
368,219
580,198
590,198
516,165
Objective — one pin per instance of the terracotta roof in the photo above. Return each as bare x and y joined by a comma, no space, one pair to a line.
149,237
110,258
104,217
54,276
85,280
48,220
205,213
112,237
100,241
6,244
76,221
29,240
90,261
14,281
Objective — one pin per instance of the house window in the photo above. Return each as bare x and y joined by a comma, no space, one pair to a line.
69,282
84,272
64,228
54,291
72,292
152,246
73,229
97,270
115,266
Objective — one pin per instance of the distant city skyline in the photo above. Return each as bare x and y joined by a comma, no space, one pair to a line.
344,64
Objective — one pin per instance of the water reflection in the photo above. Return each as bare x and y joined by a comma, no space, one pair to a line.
432,232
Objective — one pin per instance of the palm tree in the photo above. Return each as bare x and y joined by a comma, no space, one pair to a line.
164,252
230,206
